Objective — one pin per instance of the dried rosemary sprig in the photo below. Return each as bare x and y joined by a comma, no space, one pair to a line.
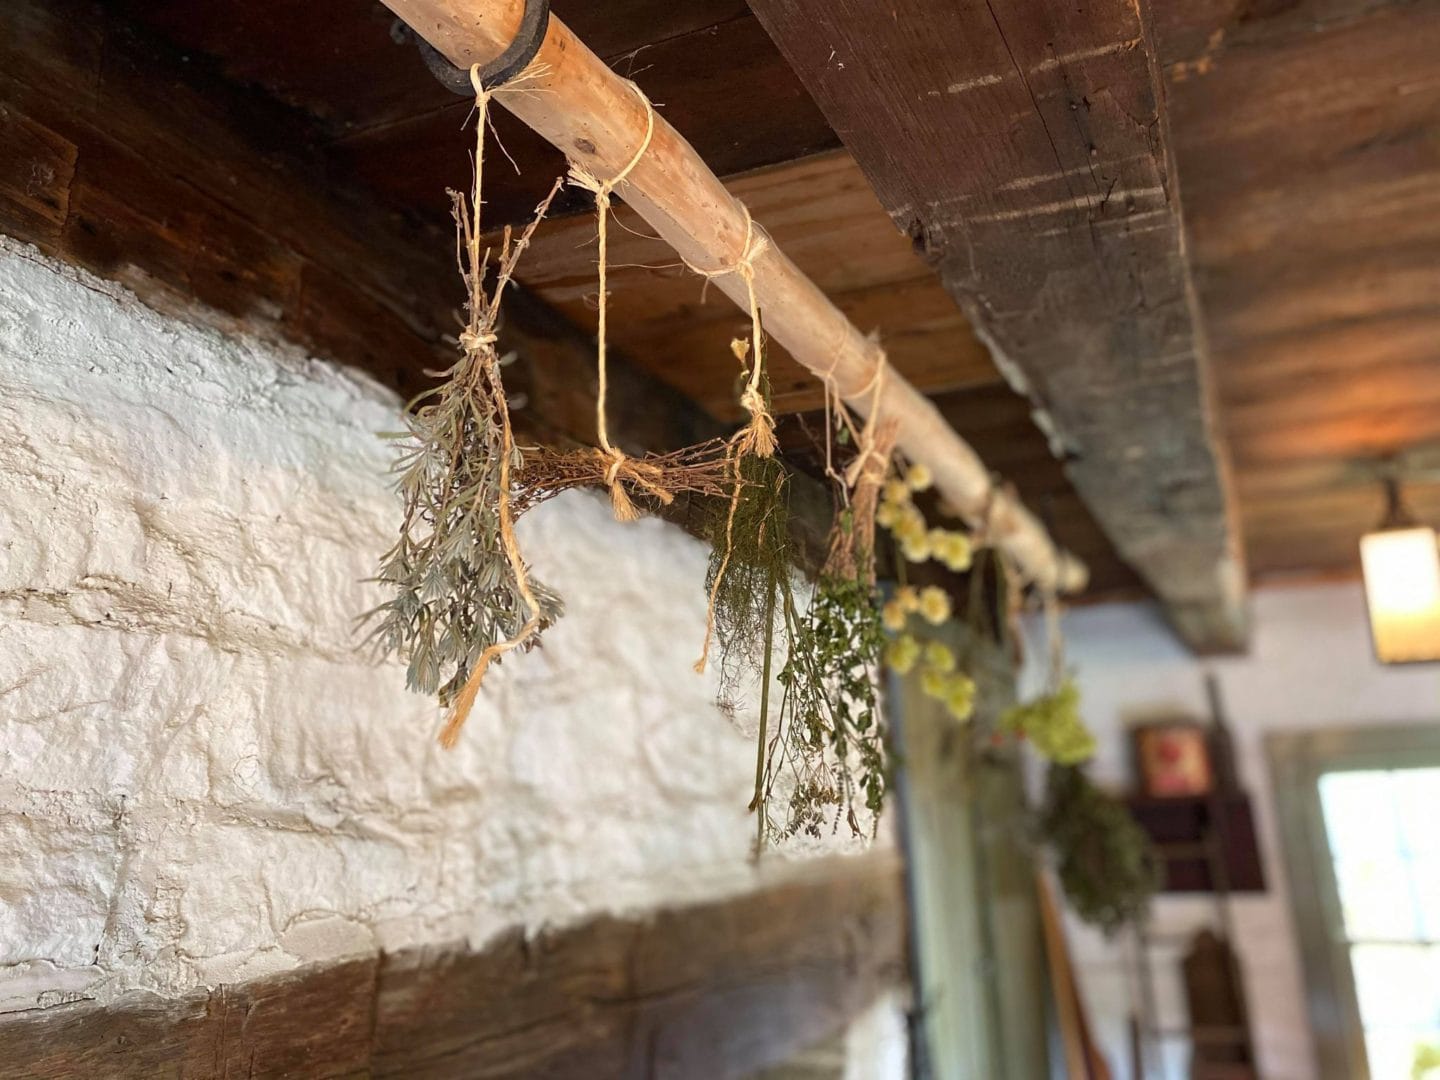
462,593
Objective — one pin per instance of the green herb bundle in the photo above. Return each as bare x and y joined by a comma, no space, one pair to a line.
822,744
1106,862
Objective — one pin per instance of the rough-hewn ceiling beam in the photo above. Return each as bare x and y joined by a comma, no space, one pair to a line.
1022,146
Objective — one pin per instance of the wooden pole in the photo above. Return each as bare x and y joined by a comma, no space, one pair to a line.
597,119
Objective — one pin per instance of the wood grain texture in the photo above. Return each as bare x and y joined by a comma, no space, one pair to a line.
710,991
378,106
821,211
121,159
1021,145
1307,138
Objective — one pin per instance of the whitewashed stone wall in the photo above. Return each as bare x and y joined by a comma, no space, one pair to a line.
201,779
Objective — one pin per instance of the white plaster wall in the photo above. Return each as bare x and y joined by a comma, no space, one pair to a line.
1310,667
200,777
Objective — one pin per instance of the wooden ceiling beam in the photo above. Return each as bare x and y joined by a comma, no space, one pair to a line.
822,213
1022,147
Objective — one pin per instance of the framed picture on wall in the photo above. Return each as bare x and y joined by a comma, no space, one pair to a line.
1172,759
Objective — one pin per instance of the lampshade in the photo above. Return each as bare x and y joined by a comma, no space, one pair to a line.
1402,590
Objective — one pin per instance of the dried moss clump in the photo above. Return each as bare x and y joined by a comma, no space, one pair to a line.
1107,865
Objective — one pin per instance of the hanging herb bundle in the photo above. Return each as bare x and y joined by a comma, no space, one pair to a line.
822,744
830,734
1052,721
1106,862
463,595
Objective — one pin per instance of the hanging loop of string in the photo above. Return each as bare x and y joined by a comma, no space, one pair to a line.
621,467
759,435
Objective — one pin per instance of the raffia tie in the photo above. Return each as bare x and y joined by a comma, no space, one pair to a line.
758,438
622,468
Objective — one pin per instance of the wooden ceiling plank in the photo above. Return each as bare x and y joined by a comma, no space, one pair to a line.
1022,148
693,80
821,211
1304,136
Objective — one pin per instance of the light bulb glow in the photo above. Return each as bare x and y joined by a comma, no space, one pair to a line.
1402,591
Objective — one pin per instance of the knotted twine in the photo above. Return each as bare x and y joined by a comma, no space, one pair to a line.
478,336
865,474
758,436
644,475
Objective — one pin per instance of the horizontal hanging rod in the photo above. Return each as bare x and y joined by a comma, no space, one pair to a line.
597,119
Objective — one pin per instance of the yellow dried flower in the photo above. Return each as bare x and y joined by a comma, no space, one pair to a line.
909,598
919,477
934,604
916,550
893,615
910,528
902,654
886,515
960,701
938,657
934,683
956,553
896,492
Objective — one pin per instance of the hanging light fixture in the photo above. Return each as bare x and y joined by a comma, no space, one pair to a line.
1401,564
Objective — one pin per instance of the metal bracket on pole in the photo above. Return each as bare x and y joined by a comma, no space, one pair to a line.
518,54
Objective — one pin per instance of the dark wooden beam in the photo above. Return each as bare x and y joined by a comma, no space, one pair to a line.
713,990
210,202
1023,148
377,105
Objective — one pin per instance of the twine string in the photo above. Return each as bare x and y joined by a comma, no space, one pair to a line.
621,467
759,437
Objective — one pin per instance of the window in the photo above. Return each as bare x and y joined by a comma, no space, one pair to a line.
1385,854
1359,811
